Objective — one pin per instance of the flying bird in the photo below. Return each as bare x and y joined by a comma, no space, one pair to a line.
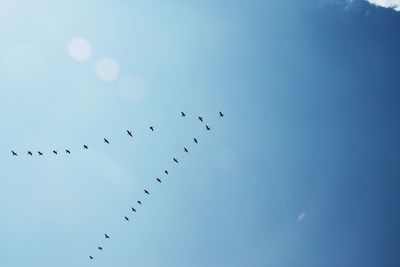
183,114
85,146
106,236
146,192
129,133
158,180
175,160
100,248
106,141
67,151
208,128
30,153
55,152
40,153
166,172
200,118
185,149
140,203
91,257
14,154
151,128
221,114
133,210
126,218
195,140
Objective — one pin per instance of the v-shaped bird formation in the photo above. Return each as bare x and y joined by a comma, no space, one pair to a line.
145,190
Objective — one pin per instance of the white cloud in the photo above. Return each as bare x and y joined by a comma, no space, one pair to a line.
395,4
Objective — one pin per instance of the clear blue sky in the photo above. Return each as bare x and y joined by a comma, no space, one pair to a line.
303,170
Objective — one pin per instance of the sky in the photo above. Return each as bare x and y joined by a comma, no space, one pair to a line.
301,171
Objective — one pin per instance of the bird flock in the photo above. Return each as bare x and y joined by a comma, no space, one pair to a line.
145,190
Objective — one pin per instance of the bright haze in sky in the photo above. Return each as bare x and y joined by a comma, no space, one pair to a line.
303,169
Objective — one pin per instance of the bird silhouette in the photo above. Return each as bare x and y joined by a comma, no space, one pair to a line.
185,149
106,141
106,236
208,128
129,133
158,180
151,128
100,248
91,257
30,153
221,114
85,146
195,140
175,160
133,210
166,172
126,218
183,114
200,118
14,154
40,153
67,151
55,152
140,203
146,192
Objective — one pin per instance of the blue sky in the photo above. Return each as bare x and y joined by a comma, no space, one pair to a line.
302,170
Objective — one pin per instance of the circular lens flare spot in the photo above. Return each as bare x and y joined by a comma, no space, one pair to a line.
107,69
79,49
132,88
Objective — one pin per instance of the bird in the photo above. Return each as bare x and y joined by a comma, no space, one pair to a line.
30,153
85,146
106,141
14,154
200,118
106,236
208,128
146,192
67,151
151,128
175,160
166,172
100,248
133,209
55,152
126,218
158,180
195,140
140,203
185,149
183,114
40,153
221,114
129,133
91,257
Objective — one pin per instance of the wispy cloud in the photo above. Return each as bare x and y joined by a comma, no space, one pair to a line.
395,4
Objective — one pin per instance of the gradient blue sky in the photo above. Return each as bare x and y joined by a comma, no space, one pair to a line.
302,171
